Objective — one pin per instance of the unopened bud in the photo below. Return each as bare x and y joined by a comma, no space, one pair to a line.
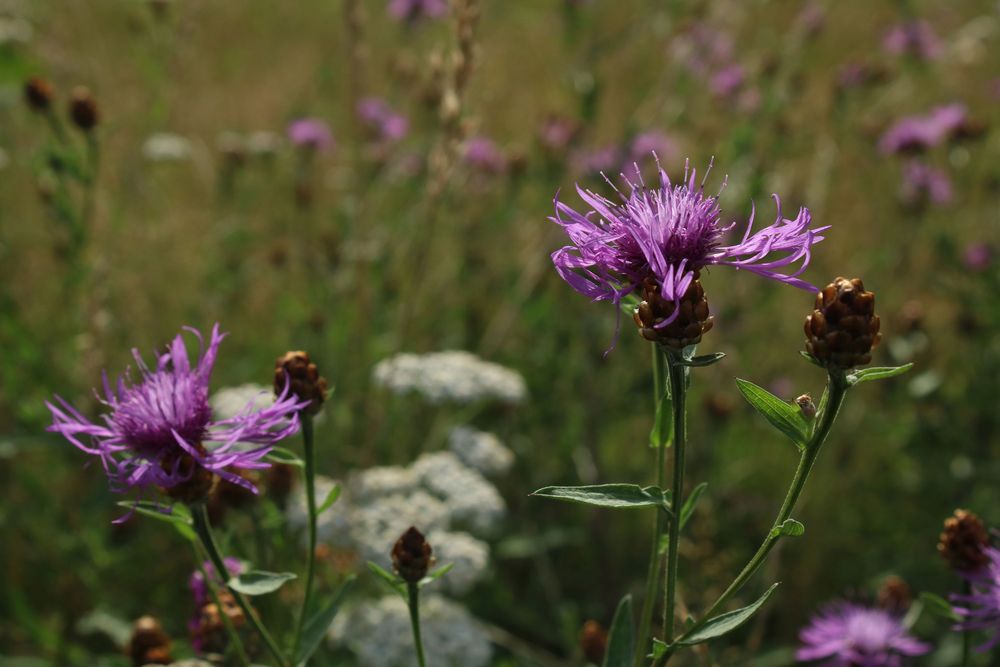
149,644
208,627
806,405
593,642
843,327
83,109
38,93
692,320
412,556
963,542
303,377
894,595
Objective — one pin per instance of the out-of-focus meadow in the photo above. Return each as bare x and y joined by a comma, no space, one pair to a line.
432,235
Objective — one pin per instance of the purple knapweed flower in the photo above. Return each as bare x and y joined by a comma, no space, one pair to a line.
556,133
980,609
643,148
386,124
845,634
596,160
977,256
198,585
916,133
483,154
728,80
312,133
411,11
914,38
922,182
159,431
667,233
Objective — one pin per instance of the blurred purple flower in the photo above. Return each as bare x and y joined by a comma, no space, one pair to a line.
311,133
668,233
198,585
980,609
556,133
855,75
379,117
916,133
649,147
845,634
414,10
811,17
978,256
728,80
702,48
158,432
483,154
915,38
596,160
922,182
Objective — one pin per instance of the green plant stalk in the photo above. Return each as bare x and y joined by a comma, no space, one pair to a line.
310,479
837,389
234,637
203,528
966,636
659,521
678,388
413,602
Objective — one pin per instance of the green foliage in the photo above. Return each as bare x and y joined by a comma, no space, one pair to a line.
621,636
725,623
876,373
786,417
616,496
789,528
318,626
259,582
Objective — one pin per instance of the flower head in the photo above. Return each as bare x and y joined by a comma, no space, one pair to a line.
311,133
918,133
667,234
924,183
852,635
384,123
160,431
914,38
198,584
980,609
484,155
411,11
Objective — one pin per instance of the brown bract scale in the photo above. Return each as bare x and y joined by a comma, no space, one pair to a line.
964,541
894,595
691,323
199,482
843,327
83,109
306,382
149,644
38,93
593,642
412,556
208,629
226,495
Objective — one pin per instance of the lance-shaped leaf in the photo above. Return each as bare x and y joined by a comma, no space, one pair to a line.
616,496
621,637
331,498
394,582
876,373
259,582
938,606
725,623
176,515
786,417
701,360
317,626
687,509
286,456
663,423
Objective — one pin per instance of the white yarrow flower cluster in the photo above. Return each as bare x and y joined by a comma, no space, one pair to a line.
480,450
230,401
472,500
467,556
166,147
452,376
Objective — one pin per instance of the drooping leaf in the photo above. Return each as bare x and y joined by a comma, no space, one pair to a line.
938,606
395,583
701,360
176,515
286,456
259,582
687,509
436,574
725,623
317,626
786,417
621,637
877,373
608,495
331,498
788,528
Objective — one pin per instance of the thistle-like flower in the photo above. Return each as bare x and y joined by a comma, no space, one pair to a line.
980,609
662,237
159,432
845,634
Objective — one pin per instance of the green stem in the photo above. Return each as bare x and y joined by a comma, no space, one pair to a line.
678,388
234,637
413,601
659,521
310,477
202,526
966,636
837,389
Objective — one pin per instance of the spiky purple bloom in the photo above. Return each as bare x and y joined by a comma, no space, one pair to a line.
387,125
980,609
915,133
914,38
668,233
154,429
198,584
411,11
844,634
312,133
924,183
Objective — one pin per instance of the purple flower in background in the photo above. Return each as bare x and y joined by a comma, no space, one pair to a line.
914,38
922,182
852,635
198,585
596,160
702,48
855,75
667,233
916,133
378,116
414,10
978,256
484,155
980,609
644,147
726,81
556,133
160,432
311,133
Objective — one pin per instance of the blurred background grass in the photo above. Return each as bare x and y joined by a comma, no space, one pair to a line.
368,268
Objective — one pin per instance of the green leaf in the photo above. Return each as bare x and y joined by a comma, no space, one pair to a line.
663,423
395,583
938,606
317,626
286,456
259,582
687,509
786,417
178,515
701,360
788,528
876,373
659,648
621,637
725,623
609,495
331,498
811,359
436,574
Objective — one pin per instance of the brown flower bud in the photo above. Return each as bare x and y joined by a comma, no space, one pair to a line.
149,644
411,556
279,481
83,109
963,541
306,382
199,482
38,93
208,629
593,642
894,595
843,328
692,321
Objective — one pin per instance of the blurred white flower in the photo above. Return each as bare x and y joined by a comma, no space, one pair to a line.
468,557
231,401
166,147
480,450
15,31
379,635
472,501
375,526
375,483
332,526
264,143
451,376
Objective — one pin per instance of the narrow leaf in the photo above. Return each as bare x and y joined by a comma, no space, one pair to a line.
810,358
701,360
789,528
177,515
259,582
621,637
877,373
286,456
725,623
395,583
436,574
659,648
786,417
607,495
331,498
938,606
317,626
687,509
663,423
